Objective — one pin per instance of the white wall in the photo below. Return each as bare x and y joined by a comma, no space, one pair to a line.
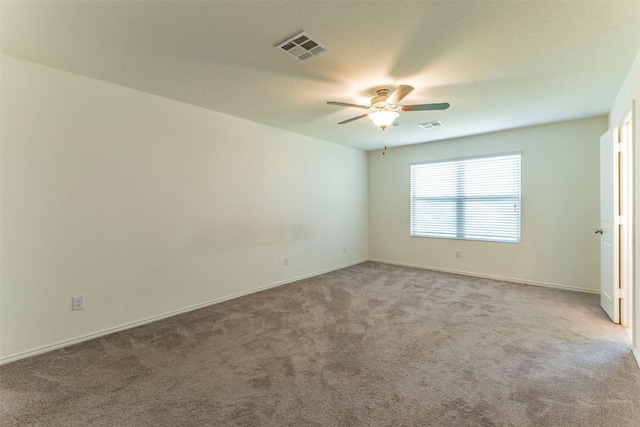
148,206
628,96
560,207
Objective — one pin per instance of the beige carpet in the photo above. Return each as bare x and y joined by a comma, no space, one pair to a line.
369,345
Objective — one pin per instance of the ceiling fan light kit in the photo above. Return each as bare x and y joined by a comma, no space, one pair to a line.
383,118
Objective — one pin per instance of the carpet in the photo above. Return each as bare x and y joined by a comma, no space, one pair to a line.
368,345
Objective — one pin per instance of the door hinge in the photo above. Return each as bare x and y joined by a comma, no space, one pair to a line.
617,294
619,147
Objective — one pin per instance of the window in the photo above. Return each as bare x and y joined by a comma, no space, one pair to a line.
474,198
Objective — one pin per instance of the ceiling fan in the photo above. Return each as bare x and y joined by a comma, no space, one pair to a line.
385,109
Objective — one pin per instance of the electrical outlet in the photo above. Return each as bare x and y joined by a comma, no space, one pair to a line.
77,302
286,261
344,249
458,254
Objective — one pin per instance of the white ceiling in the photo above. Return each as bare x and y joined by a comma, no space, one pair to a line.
500,64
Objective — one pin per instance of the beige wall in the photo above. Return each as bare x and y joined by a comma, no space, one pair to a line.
628,96
149,206
560,207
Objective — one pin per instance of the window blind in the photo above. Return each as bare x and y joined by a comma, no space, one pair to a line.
474,198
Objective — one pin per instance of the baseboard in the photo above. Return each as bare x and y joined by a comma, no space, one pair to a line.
636,354
490,276
124,327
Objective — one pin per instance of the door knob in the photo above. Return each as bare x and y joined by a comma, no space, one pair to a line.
599,231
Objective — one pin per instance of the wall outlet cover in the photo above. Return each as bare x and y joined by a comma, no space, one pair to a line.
77,302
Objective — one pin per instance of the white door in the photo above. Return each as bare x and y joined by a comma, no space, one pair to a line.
610,230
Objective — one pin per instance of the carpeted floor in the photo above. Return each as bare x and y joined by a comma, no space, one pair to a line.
369,345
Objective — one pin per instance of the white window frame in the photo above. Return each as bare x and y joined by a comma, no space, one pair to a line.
426,223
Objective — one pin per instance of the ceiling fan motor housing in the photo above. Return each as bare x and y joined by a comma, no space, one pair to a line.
379,102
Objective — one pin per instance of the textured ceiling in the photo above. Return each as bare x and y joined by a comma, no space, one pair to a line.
500,64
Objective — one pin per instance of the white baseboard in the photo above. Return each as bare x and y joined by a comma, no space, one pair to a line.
636,354
77,340
490,276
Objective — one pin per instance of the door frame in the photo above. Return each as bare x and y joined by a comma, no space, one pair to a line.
625,133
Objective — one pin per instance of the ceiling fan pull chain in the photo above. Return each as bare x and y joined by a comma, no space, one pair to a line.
384,151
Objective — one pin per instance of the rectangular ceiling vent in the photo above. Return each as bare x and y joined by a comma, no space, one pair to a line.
430,125
302,46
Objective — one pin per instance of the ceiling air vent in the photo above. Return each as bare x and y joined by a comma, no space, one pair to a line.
302,46
430,125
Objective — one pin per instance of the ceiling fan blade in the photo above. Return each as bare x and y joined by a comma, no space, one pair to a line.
421,107
397,95
344,104
353,118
